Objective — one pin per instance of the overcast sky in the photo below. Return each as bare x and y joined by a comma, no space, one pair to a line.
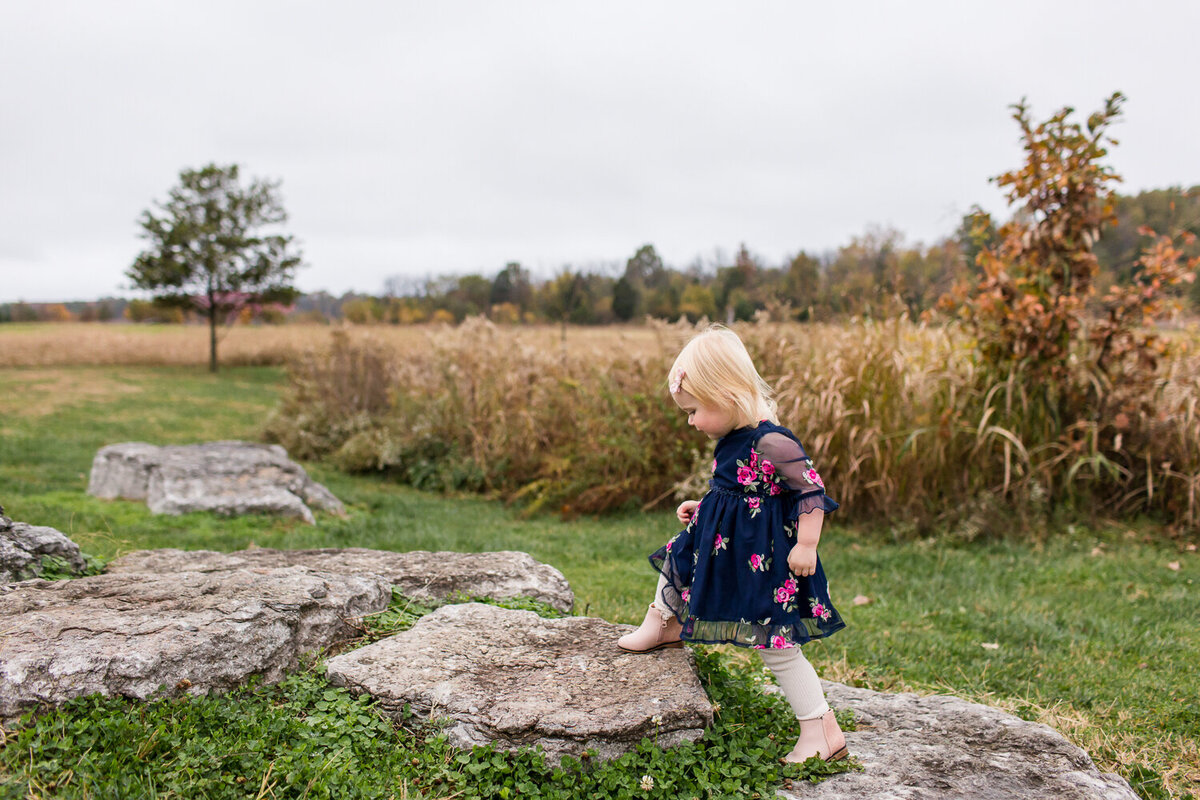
452,137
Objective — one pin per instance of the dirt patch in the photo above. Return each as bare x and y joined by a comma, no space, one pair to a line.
39,392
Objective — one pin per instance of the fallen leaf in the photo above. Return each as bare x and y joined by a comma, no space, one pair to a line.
1097,551
1191,548
1174,565
861,600
990,645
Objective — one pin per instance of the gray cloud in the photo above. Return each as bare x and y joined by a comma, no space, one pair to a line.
427,138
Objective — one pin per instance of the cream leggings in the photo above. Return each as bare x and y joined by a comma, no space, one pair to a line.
795,676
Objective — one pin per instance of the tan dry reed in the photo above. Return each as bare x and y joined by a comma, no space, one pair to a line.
902,421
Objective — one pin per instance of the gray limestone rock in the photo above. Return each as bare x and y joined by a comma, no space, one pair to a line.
224,477
946,748
516,679
420,574
130,634
22,548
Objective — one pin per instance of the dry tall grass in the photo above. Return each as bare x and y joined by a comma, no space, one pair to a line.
902,421
483,408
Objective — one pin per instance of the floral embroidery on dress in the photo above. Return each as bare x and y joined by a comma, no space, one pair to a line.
778,641
756,475
685,595
785,593
747,477
759,563
719,543
811,475
818,609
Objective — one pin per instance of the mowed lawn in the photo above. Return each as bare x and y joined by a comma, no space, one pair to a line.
1092,631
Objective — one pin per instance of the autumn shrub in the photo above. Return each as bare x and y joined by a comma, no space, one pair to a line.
1084,374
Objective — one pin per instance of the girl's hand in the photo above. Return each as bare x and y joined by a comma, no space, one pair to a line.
685,510
802,560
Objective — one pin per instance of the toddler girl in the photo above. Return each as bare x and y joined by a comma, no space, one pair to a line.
745,570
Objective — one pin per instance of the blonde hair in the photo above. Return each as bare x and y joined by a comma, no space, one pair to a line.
718,372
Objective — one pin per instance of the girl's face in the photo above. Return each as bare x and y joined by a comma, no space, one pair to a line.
713,422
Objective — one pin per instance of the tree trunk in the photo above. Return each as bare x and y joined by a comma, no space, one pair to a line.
212,329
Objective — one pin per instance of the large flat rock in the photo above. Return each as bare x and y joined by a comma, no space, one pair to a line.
946,748
516,679
228,477
130,634
419,574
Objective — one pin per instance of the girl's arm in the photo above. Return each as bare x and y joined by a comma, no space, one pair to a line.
802,560
790,462
685,510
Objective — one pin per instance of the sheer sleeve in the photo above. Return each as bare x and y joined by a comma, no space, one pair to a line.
796,472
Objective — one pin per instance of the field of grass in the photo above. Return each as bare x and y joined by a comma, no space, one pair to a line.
56,344
1090,631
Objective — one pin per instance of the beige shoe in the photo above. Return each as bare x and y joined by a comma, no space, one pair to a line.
819,736
656,632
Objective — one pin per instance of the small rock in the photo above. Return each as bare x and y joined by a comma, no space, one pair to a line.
229,478
23,547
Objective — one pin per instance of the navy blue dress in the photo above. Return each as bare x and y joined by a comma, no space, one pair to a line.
727,574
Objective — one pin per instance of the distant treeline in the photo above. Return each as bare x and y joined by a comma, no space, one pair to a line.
877,275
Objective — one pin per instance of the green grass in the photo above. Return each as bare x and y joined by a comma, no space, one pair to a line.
1093,632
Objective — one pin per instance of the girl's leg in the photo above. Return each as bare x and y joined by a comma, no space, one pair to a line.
658,630
819,731
659,603
798,680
